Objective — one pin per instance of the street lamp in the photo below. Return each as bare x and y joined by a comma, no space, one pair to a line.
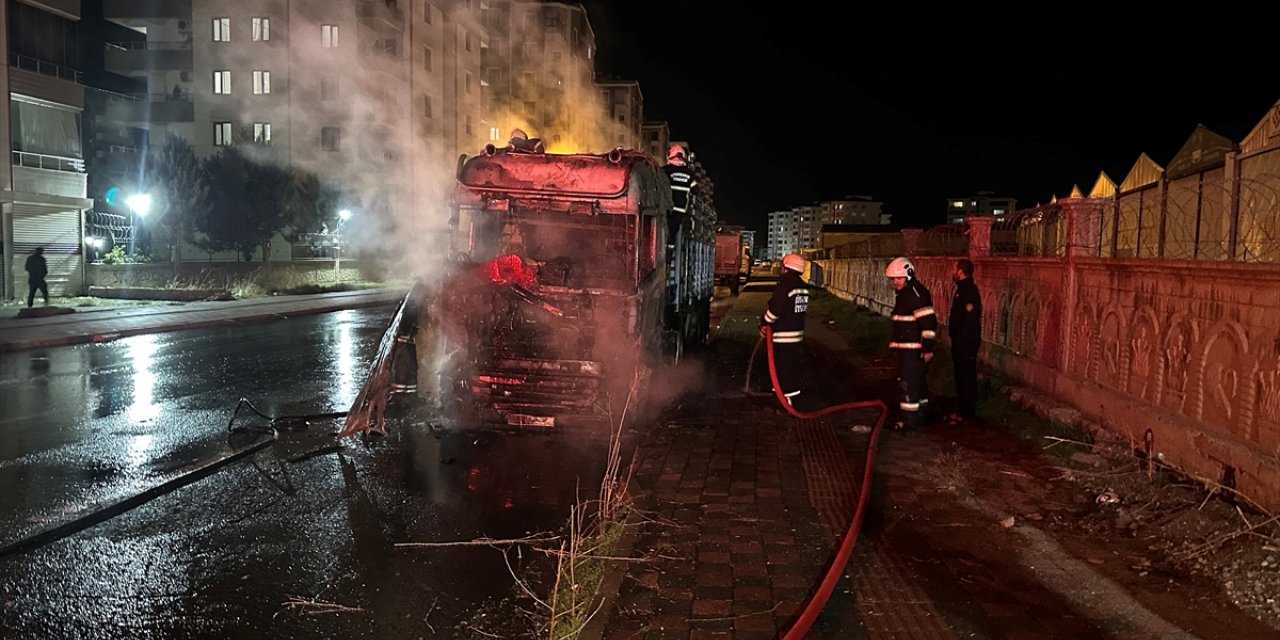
139,204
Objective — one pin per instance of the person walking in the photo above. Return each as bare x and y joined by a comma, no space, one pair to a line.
785,316
964,327
37,270
915,330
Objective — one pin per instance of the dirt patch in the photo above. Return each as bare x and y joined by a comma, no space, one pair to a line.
1189,528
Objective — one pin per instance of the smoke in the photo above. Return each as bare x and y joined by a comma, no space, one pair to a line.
384,115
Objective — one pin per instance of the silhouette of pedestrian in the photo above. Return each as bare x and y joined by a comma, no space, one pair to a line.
37,269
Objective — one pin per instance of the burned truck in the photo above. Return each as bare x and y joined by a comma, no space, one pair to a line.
570,282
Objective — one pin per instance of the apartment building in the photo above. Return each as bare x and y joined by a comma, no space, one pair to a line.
781,234
539,71
325,87
43,182
655,139
984,203
858,210
624,109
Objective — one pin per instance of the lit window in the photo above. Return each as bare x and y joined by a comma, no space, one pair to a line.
426,58
261,82
261,29
956,204
494,133
329,36
330,138
221,134
222,29
222,82
262,132
997,212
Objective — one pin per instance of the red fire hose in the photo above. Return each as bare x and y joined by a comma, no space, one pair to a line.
819,599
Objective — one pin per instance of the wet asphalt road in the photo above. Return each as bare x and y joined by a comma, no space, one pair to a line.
223,557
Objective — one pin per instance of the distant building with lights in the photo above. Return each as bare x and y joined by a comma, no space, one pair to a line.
801,228
984,203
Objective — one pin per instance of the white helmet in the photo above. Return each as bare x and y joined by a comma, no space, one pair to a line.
900,268
794,262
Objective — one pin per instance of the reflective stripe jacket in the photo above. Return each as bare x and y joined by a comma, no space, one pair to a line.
682,184
787,307
915,326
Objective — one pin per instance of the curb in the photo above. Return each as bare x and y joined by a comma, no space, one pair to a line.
607,591
110,336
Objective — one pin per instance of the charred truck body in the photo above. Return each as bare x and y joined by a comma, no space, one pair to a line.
563,290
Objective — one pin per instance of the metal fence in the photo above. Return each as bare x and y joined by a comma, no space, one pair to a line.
110,226
27,63
46,161
1038,232
1203,216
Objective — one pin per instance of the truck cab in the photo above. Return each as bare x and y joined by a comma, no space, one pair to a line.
579,306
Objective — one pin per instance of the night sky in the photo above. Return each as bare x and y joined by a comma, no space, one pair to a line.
789,109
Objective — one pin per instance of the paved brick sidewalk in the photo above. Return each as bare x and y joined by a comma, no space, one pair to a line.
745,509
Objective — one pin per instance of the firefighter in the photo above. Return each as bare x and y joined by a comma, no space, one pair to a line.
915,329
785,315
520,142
682,185
682,180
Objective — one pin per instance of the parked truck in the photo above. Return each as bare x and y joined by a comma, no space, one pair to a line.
730,254
569,283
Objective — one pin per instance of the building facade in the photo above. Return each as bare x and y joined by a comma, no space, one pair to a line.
656,140
624,108
984,203
781,234
852,210
43,184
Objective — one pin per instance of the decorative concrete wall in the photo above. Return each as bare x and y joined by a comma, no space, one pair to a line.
1185,353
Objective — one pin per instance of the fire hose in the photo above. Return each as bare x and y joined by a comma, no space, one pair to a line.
191,474
819,599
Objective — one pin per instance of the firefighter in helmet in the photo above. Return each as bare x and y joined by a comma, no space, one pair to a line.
682,184
520,142
682,180
785,315
915,329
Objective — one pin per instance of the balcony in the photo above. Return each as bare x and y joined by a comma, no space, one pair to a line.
48,174
388,12
128,9
133,57
155,107
119,160
46,81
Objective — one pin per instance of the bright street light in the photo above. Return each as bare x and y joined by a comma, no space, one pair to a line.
139,203
345,214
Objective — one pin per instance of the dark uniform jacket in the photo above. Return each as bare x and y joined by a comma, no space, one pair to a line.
682,184
36,267
915,326
964,326
787,307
